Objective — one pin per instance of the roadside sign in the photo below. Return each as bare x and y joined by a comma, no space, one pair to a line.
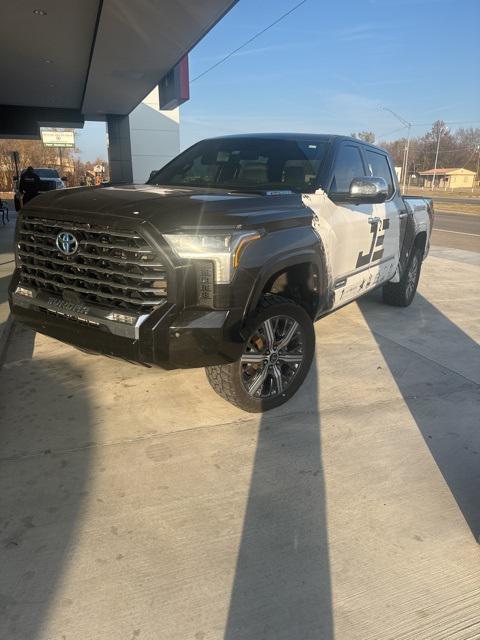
58,138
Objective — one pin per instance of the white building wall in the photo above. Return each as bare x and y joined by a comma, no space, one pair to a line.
154,137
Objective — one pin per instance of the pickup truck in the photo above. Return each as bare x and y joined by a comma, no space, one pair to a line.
49,180
224,259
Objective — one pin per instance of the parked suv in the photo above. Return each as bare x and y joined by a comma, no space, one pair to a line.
224,259
49,178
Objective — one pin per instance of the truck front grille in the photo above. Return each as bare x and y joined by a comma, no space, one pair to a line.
117,269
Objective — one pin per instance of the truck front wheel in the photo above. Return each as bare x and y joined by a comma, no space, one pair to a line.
401,294
275,361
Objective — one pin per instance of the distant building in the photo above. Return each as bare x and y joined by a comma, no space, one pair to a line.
449,178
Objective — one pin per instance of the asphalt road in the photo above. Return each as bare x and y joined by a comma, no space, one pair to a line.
457,231
474,200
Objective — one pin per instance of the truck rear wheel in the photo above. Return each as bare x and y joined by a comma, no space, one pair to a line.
401,294
275,361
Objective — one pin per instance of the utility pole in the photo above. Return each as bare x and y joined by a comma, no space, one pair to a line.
407,146
440,131
478,166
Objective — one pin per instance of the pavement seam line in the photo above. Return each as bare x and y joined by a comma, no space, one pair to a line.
420,355
150,436
262,424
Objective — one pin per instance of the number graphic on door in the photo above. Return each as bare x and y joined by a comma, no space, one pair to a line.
377,229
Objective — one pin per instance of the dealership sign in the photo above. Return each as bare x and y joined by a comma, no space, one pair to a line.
58,138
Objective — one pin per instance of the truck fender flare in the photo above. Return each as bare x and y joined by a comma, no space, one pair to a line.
278,264
414,237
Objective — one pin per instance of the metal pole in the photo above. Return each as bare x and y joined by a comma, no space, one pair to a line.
15,159
406,157
478,166
407,146
403,165
436,158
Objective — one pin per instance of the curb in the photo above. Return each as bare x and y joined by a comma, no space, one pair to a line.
5,338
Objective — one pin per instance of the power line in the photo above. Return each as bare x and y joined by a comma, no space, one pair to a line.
476,150
459,149
242,46
389,133
424,124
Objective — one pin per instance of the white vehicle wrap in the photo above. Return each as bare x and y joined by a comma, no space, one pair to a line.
362,242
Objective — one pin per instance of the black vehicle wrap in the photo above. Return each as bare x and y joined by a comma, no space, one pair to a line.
192,321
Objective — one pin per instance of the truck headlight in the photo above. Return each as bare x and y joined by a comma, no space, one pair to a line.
224,250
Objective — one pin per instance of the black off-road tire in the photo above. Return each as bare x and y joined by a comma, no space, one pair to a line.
226,379
401,294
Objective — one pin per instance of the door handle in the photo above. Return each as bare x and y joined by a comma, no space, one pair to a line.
374,220
403,215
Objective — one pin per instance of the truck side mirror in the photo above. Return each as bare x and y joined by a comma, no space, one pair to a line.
369,190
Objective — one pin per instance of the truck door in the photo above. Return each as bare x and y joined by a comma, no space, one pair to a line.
384,259
355,227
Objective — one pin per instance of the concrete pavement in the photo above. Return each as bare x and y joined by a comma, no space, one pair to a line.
137,504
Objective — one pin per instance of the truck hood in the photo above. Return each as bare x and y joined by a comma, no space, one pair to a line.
173,208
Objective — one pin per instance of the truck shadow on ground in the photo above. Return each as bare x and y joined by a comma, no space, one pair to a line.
42,489
282,587
25,339
4,282
442,398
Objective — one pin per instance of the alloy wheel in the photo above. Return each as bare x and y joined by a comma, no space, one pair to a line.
272,357
412,276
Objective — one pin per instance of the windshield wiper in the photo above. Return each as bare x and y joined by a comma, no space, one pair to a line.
264,192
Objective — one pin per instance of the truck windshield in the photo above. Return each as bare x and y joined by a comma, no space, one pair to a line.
246,164
46,173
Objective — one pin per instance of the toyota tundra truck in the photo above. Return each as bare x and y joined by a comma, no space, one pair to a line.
224,259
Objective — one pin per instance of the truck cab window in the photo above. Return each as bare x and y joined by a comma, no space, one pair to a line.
247,163
348,165
379,167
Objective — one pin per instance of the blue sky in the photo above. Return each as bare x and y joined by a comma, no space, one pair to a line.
329,67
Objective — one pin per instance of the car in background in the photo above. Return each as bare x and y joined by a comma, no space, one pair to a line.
49,178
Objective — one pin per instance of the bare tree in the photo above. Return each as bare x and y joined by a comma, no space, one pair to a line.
457,149
366,136
36,154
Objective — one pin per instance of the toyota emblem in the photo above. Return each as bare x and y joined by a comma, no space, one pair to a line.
66,243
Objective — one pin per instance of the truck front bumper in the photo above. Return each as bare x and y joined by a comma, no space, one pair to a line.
194,337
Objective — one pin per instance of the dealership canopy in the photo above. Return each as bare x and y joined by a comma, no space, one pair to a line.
72,61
